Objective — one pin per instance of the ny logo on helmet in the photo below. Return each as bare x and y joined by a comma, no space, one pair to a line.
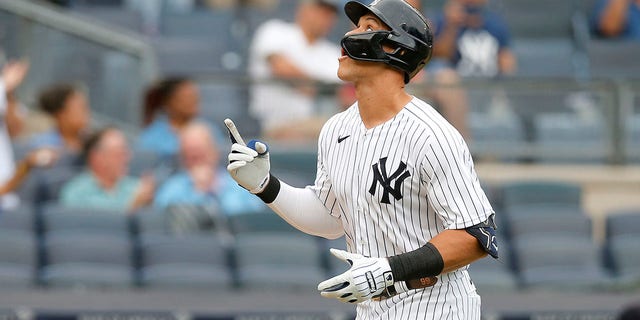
380,176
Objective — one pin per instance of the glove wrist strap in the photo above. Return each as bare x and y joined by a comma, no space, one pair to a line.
270,191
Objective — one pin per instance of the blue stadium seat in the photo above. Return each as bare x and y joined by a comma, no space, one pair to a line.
332,264
259,222
185,262
495,137
278,260
623,222
537,193
78,259
527,19
222,100
491,275
49,182
566,137
613,58
545,223
151,221
112,16
58,218
633,136
188,56
551,57
298,166
18,259
623,250
559,262
205,25
22,218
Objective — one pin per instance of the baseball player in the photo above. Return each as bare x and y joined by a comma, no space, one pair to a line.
393,177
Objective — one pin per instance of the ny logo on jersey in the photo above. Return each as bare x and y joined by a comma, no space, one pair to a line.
380,176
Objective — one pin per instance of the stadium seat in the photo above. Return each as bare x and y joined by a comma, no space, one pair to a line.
263,221
550,57
332,265
623,222
78,259
613,58
185,262
491,275
22,218
60,218
623,250
200,24
545,223
495,137
298,166
189,56
536,193
559,262
633,136
50,181
222,100
566,137
143,162
278,260
18,259
113,16
151,221
527,19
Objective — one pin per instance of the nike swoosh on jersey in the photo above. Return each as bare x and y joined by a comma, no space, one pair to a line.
340,139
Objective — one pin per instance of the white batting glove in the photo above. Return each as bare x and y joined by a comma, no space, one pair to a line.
366,279
248,164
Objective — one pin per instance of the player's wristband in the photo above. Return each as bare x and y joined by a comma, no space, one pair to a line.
271,190
423,262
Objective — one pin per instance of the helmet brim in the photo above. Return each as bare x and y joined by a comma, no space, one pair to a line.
354,10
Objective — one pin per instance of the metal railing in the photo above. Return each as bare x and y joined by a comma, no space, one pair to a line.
114,64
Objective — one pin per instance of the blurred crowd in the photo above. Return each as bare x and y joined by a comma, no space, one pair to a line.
177,158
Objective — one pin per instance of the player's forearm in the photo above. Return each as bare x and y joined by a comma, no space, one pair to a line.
444,253
458,248
301,208
613,17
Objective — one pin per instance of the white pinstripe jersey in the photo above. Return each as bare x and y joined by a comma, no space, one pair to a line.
394,187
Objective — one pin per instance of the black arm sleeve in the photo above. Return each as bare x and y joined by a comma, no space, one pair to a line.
423,262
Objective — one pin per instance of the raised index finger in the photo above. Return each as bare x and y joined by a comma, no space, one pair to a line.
233,132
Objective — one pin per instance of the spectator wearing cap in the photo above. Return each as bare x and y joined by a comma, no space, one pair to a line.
299,55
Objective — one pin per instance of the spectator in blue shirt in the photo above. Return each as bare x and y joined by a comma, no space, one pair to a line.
202,181
169,106
617,19
69,108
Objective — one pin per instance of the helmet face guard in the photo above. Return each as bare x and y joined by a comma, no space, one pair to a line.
410,36
366,46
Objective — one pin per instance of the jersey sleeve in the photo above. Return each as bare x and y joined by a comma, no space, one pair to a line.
453,188
323,186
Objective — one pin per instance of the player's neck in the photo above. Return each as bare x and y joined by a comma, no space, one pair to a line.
378,101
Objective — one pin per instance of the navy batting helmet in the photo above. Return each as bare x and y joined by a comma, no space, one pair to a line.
410,36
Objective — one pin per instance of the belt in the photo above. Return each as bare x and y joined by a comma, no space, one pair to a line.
390,291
